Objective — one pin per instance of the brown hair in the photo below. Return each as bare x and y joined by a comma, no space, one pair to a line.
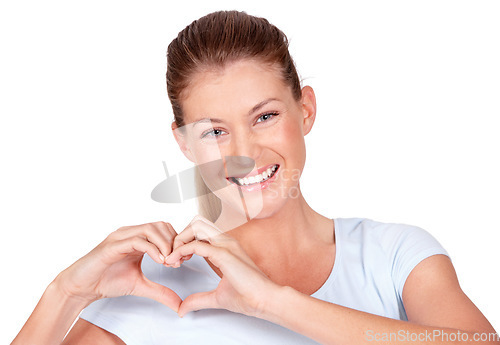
212,42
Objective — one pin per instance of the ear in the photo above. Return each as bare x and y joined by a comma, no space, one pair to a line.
180,137
308,103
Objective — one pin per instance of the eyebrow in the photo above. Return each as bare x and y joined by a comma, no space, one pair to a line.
261,104
254,109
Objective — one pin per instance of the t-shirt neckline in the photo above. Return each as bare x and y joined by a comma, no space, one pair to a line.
329,281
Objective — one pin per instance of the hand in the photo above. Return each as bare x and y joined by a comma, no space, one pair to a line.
113,268
244,288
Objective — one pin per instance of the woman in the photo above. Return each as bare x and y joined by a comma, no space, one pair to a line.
259,265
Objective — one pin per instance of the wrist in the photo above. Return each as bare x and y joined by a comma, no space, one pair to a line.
276,303
52,317
61,288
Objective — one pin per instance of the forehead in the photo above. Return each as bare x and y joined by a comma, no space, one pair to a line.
237,87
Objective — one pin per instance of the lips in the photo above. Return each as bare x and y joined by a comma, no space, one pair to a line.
263,175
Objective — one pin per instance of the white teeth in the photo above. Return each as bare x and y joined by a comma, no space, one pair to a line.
257,178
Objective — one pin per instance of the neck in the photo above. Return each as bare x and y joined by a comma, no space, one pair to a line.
293,227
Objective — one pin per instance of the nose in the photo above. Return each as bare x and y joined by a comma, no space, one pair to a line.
239,165
243,154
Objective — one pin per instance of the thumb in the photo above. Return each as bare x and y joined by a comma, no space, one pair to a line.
159,293
197,301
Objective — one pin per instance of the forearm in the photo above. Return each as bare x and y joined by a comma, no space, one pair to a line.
51,319
329,323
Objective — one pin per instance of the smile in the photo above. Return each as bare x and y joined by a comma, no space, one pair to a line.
255,179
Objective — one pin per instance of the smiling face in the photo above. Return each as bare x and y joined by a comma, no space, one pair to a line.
246,117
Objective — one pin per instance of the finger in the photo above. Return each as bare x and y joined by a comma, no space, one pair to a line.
171,229
215,254
180,262
158,293
161,234
117,250
197,301
217,241
200,228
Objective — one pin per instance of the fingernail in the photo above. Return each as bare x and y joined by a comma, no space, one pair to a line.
166,258
162,258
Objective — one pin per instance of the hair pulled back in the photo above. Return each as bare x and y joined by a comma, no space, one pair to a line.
220,38
211,43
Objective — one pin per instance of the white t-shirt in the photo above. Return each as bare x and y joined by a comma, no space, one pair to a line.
372,262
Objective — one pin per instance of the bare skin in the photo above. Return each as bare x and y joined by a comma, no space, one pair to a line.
276,287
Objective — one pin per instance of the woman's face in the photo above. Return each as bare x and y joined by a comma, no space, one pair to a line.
246,133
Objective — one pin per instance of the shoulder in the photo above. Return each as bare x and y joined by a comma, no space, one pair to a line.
399,247
389,236
432,295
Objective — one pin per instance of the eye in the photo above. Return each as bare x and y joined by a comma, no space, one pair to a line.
266,116
213,133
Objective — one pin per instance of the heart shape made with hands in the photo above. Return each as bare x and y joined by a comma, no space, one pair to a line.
234,293
200,229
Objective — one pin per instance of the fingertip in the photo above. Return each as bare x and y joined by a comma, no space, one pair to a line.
182,312
161,257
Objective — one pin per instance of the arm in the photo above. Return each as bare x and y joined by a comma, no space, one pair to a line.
84,332
433,300
52,317
111,269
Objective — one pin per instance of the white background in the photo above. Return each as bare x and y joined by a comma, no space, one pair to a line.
407,127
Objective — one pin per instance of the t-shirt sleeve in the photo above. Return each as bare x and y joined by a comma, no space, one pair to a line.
406,246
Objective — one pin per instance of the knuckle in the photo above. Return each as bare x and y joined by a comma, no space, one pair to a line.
167,229
136,241
162,225
148,228
197,218
177,241
201,236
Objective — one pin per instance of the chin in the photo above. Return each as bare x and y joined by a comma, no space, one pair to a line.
269,207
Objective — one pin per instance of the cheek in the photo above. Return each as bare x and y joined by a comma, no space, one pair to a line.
291,146
209,161
292,141
205,151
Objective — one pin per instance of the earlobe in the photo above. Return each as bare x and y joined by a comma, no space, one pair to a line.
180,137
308,103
